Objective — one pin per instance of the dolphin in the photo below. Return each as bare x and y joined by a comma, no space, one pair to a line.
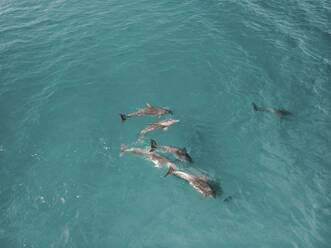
275,111
180,154
200,184
156,158
158,125
149,110
228,199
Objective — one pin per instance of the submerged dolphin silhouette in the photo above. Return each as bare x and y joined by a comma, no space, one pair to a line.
275,111
156,158
200,184
149,110
180,154
158,125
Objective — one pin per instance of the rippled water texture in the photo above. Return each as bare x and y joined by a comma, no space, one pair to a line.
68,68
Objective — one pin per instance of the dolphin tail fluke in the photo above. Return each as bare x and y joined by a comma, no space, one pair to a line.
169,172
123,148
124,117
153,145
256,108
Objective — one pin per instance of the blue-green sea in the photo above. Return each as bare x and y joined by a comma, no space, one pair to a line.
68,68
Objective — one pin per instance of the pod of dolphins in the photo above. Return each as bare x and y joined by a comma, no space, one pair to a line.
198,183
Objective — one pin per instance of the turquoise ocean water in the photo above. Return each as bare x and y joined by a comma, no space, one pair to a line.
68,68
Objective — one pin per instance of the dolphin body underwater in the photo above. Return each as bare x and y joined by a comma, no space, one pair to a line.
156,158
180,154
149,110
281,112
164,124
200,184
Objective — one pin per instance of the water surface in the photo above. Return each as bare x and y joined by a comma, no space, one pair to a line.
68,68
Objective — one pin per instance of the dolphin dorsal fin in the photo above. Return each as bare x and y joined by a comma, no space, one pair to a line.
204,178
148,105
153,144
